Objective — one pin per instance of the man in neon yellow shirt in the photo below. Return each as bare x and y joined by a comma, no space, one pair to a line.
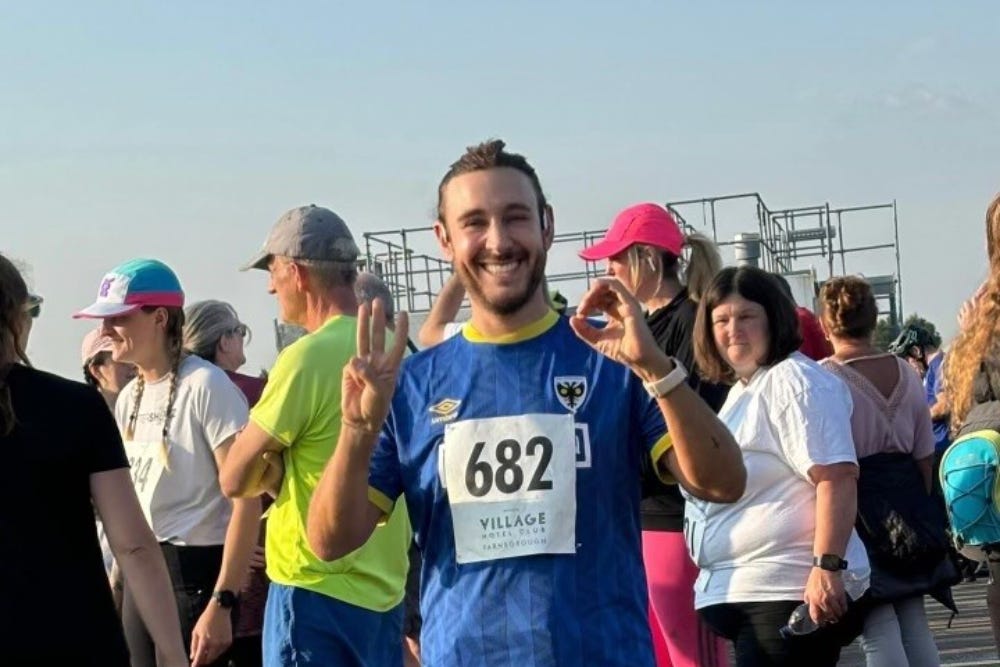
348,611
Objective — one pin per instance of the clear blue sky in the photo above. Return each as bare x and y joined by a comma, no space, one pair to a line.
182,130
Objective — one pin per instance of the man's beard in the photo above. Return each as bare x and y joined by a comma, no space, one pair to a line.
510,303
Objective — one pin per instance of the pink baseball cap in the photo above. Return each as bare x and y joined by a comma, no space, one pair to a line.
649,224
93,343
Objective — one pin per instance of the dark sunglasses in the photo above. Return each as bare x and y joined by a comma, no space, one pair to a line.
33,309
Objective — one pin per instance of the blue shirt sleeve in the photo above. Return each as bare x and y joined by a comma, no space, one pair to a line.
932,382
384,473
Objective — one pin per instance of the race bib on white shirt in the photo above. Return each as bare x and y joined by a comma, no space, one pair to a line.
146,467
694,529
511,484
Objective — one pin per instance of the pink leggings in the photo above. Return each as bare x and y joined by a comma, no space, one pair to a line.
680,639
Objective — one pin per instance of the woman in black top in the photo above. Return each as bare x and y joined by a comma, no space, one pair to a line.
64,456
643,250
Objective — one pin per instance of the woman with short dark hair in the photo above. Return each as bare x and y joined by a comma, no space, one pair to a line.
791,537
902,525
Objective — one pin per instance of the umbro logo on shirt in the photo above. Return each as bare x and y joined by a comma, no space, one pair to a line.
445,411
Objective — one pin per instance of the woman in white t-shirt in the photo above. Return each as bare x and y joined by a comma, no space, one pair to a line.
791,538
178,418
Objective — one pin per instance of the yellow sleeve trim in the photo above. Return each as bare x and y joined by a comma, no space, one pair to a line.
381,501
657,453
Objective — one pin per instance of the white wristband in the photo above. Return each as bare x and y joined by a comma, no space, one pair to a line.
669,382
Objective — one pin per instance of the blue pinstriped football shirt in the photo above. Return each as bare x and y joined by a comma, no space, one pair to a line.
587,608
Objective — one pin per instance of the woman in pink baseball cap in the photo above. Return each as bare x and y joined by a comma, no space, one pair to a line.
108,377
644,250
102,372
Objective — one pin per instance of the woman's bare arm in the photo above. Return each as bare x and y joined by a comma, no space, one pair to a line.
141,561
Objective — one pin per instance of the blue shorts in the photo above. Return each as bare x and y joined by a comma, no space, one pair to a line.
302,627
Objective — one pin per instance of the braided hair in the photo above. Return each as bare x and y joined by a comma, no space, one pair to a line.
175,350
13,296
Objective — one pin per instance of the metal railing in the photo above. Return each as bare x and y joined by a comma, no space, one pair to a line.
408,260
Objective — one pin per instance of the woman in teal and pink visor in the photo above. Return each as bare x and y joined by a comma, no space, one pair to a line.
644,251
178,418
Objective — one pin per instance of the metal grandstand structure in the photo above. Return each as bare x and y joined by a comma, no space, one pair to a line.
817,241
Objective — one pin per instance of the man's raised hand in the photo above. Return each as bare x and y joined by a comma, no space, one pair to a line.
626,338
369,378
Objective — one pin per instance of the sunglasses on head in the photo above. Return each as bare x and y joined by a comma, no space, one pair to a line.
241,329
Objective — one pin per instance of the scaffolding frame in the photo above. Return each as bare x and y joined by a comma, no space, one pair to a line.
787,237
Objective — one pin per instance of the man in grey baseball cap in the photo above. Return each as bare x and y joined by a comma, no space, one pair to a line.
347,611
307,232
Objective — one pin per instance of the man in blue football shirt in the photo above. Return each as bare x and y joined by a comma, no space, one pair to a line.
517,445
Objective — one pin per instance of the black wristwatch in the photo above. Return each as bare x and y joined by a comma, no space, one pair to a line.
225,599
830,563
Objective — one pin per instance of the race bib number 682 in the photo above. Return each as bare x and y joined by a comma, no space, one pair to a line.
511,484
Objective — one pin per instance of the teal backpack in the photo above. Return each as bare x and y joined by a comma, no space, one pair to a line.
970,467
970,482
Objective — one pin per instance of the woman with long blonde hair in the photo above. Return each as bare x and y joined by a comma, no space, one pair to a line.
644,249
980,340
972,370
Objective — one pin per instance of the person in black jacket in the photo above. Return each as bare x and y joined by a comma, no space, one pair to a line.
644,249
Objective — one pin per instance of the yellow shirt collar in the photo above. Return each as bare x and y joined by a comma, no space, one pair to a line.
527,332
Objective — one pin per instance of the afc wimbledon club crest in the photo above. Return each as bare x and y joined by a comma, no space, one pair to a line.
571,390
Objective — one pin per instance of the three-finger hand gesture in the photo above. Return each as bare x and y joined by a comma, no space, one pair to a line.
626,338
369,378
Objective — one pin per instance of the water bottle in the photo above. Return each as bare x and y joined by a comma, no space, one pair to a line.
799,623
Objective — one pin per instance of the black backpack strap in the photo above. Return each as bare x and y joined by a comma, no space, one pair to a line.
991,374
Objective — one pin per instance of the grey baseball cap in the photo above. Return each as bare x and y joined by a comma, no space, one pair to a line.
307,232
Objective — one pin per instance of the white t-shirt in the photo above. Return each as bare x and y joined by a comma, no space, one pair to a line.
183,502
451,329
787,419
